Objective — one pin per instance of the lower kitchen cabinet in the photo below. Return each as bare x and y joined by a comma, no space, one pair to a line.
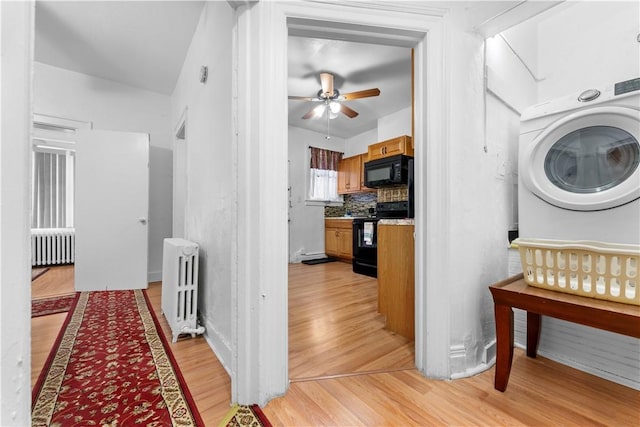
396,266
338,238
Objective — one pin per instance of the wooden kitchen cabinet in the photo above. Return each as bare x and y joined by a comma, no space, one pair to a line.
338,238
396,266
349,174
391,147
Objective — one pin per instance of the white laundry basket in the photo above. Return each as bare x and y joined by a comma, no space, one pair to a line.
592,269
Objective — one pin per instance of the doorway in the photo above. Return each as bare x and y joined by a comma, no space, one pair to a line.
180,177
324,336
262,140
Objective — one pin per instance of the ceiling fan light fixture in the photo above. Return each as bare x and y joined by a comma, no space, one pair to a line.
319,110
335,107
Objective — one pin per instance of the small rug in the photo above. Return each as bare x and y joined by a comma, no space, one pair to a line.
52,305
319,260
37,272
245,416
111,365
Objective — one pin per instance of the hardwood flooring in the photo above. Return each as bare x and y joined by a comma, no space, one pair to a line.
540,392
334,327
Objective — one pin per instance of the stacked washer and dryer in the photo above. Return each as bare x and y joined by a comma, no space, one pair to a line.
579,179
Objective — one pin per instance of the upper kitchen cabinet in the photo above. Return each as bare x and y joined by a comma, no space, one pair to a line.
391,147
349,175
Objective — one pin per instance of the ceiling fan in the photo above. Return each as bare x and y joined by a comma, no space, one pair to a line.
331,99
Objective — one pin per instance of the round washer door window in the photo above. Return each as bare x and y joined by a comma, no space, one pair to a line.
592,159
586,161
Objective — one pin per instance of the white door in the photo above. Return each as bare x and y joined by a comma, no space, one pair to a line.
112,206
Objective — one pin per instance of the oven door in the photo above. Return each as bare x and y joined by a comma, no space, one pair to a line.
365,246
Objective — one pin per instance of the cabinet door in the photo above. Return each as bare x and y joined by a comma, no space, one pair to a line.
391,147
346,244
331,242
349,175
396,269
344,176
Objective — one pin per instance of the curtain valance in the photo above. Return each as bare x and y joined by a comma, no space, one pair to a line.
324,159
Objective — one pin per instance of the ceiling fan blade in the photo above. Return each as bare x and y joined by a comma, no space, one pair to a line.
347,111
309,114
303,98
316,111
360,94
326,81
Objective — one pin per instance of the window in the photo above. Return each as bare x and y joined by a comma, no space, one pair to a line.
53,168
323,182
52,184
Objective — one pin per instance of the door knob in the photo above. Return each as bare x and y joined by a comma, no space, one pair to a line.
142,220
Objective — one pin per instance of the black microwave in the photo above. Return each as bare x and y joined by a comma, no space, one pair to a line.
387,172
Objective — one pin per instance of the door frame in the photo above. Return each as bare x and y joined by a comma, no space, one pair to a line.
180,135
260,360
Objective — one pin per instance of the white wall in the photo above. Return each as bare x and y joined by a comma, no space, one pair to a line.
359,144
395,124
390,126
15,280
212,169
479,202
306,220
587,44
113,106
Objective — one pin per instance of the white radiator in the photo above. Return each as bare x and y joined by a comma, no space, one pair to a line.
50,246
180,287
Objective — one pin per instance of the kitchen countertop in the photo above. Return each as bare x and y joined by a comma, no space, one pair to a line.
382,221
390,221
345,217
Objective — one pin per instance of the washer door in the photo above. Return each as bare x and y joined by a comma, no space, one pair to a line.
586,161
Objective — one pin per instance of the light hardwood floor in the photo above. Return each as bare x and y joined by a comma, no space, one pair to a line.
540,392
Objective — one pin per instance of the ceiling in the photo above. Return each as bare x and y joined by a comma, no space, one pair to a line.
144,44
138,43
355,66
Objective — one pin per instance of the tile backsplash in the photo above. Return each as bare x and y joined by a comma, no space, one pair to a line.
393,194
358,204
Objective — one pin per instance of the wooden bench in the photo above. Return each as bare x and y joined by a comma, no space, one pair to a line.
515,293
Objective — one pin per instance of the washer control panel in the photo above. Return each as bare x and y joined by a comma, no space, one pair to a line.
627,86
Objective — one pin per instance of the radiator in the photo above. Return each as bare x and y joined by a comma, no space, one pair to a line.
180,287
51,246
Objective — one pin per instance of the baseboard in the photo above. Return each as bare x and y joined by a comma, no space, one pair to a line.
221,348
489,354
154,276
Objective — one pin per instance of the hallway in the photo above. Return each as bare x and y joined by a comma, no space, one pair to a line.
541,392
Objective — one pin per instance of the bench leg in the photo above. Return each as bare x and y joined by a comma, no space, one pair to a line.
504,345
533,333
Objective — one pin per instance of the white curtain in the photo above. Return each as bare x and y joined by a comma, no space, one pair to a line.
323,169
323,184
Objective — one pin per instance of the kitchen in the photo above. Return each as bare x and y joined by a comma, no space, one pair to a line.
380,133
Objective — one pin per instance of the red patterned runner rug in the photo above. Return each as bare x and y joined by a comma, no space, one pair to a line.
52,305
245,416
111,365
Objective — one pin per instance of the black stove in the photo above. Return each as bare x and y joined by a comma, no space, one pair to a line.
365,236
